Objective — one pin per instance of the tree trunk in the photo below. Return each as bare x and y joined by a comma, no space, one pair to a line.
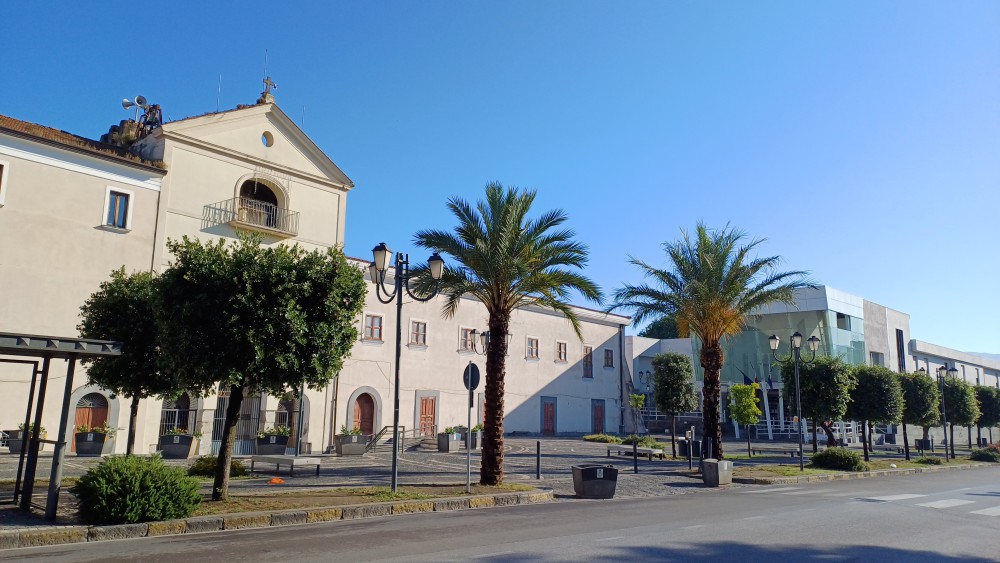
133,416
906,444
815,438
969,428
220,488
864,439
491,469
831,440
951,440
711,361
673,435
979,435
927,432
871,439
749,449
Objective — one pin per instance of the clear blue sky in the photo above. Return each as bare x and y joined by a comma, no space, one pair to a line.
860,139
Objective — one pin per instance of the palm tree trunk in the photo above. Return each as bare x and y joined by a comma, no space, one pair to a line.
711,361
133,415
673,435
220,488
491,470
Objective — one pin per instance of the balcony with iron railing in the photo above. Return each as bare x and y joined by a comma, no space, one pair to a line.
255,215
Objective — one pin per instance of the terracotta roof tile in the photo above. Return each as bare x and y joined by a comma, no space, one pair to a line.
74,142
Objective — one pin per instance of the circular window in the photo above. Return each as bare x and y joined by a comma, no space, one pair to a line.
267,138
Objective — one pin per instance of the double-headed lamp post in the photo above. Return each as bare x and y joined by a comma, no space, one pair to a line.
401,284
796,357
949,441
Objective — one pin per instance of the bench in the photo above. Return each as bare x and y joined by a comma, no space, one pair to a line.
760,451
291,461
626,449
888,448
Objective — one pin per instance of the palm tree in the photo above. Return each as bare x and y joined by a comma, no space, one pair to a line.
713,288
506,261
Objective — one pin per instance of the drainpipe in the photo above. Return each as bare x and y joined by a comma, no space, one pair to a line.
621,379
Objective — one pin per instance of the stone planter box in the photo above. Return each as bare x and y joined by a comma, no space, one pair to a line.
272,445
178,446
716,473
90,444
595,481
350,445
14,441
450,442
477,440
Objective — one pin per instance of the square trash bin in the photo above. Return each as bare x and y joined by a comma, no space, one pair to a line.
595,481
717,472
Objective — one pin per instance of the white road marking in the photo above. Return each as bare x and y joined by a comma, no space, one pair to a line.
752,518
947,503
778,490
850,494
810,492
889,498
995,511
693,527
611,539
482,555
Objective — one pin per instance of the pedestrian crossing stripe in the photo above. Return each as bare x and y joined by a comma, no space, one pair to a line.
947,503
778,490
995,511
890,498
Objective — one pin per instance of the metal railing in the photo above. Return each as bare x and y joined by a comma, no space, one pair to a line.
171,419
247,212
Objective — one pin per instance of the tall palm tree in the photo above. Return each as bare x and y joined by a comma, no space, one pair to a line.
713,288
506,261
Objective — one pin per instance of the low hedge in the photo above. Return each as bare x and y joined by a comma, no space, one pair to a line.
926,460
131,489
643,441
603,438
839,459
985,454
204,466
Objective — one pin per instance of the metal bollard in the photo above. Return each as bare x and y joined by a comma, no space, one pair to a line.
538,459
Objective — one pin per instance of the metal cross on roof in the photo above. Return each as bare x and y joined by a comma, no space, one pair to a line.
268,84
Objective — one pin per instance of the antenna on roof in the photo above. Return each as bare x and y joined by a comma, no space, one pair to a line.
218,98
302,124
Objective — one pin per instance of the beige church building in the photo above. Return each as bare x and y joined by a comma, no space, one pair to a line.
72,209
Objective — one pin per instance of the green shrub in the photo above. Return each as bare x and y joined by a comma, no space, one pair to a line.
985,454
643,441
840,459
603,438
204,466
130,489
929,460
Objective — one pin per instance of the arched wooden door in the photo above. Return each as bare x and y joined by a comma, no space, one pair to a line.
364,414
91,410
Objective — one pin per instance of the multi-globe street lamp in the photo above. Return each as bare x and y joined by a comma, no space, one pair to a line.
796,357
401,284
949,441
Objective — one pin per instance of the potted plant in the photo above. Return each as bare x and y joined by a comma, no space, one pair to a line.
476,438
14,437
274,440
179,443
350,442
90,440
450,439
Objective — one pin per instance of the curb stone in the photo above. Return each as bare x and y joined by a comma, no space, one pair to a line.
78,534
854,476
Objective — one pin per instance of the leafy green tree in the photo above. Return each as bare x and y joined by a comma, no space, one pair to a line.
961,406
877,398
920,403
826,389
123,309
253,319
673,389
712,287
506,261
989,409
663,327
636,401
743,407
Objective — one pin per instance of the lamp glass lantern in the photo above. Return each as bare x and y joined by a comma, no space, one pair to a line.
797,340
381,253
436,265
773,341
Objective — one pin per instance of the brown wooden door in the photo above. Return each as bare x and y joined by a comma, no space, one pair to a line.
364,414
427,406
598,416
91,410
548,416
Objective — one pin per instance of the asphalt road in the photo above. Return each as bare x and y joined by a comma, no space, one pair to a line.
944,517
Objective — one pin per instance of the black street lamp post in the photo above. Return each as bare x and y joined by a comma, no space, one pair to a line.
401,284
796,357
949,441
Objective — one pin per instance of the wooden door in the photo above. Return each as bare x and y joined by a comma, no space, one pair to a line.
427,406
91,410
548,416
598,416
364,414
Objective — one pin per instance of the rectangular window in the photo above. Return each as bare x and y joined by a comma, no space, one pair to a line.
418,333
900,351
609,358
533,348
560,351
117,210
877,358
588,362
3,181
373,327
843,321
468,339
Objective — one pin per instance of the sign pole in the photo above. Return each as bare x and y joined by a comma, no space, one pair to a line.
470,377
